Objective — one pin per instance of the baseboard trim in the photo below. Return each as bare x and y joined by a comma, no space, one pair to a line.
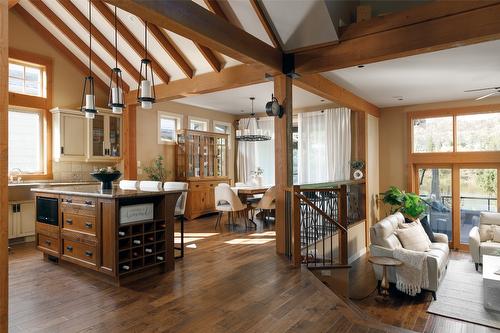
356,255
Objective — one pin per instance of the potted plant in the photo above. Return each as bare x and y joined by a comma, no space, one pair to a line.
157,170
257,176
409,204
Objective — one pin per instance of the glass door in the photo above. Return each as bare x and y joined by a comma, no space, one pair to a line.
435,188
98,136
114,136
478,193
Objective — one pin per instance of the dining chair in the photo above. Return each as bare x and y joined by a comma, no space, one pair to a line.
180,207
227,201
266,204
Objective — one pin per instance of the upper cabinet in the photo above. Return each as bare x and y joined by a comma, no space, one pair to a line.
76,138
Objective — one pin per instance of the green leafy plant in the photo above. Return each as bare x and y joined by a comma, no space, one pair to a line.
258,172
409,204
157,170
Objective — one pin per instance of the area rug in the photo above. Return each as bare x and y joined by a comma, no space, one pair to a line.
460,296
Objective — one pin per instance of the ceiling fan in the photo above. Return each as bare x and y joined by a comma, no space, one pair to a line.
496,91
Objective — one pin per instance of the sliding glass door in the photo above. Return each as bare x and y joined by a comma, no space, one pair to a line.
435,188
478,193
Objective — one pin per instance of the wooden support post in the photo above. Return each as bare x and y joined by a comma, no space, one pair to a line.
296,251
343,242
4,139
283,159
129,142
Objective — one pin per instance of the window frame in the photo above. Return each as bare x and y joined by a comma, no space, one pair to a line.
197,119
43,148
43,73
18,101
177,117
229,126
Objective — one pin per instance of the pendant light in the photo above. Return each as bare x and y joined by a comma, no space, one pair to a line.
252,133
116,98
88,95
146,91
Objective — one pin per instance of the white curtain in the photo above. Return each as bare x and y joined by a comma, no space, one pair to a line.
253,155
324,146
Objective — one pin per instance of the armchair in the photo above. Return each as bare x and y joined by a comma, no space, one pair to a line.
482,238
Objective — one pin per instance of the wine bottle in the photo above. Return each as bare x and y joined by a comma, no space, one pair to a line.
137,241
148,250
121,233
160,258
135,254
126,267
151,239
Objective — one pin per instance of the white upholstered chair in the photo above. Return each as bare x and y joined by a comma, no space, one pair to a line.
482,238
227,201
267,203
179,209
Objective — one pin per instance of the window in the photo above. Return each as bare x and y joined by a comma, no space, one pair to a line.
433,135
478,132
26,78
168,124
223,127
198,124
26,141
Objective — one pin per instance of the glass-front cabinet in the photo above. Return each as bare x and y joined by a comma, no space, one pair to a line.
105,140
201,155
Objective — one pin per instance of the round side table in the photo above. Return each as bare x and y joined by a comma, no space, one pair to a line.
384,262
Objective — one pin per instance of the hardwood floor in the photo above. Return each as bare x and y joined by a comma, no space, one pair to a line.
402,310
228,281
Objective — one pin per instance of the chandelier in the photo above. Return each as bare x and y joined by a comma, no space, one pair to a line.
252,133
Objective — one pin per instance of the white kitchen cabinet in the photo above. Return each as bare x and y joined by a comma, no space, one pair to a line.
21,219
69,135
76,138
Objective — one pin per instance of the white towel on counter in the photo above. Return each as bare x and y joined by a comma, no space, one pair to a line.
151,186
129,184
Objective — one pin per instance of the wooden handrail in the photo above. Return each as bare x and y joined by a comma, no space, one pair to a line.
320,212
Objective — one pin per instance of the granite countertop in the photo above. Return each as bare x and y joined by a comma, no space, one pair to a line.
96,191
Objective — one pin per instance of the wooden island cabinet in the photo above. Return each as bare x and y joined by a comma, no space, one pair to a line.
120,234
202,163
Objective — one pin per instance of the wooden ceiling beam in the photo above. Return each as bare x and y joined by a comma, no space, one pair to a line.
398,37
167,44
137,46
215,7
12,3
321,86
57,22
194,22
210,57
52,40
257,7
100,38
228,78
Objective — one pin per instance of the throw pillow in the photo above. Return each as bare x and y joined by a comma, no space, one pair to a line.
413,237
427,228
486,232
496,234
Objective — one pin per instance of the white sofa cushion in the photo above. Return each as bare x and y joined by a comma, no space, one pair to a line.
413,237
489,248
382,233
486,232
496,234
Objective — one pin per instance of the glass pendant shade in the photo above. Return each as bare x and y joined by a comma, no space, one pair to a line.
146,92
88,98
116,97
252,132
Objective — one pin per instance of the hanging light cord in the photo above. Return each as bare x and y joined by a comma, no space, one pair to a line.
116,44
90,38
252,115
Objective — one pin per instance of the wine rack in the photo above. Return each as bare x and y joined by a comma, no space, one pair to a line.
141,245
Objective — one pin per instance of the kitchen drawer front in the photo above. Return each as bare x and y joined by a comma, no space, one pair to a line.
79,237
47,230
79,205
80,223
48,244
80,252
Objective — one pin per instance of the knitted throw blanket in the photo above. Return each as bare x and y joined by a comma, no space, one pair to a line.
412,275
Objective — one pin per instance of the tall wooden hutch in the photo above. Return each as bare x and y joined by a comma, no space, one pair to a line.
202,162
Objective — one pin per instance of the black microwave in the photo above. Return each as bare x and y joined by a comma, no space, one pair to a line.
47,210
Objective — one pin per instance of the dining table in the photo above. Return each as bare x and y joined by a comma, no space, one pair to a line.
245,192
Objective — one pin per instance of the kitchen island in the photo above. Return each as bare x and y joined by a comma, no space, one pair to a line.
121,235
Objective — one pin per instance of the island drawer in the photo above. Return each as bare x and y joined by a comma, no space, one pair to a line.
78,205
80,251
80,237
47,230
80,223
45,243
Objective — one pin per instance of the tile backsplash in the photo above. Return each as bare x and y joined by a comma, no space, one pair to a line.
77,171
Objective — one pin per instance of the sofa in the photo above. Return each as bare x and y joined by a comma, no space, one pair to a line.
485,238
384,241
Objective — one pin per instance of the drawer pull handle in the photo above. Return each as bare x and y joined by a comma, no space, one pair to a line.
69,221
69,200
88,202
48,242
88,253
88,225
69,248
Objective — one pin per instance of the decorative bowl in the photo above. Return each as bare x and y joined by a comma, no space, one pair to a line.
106,178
